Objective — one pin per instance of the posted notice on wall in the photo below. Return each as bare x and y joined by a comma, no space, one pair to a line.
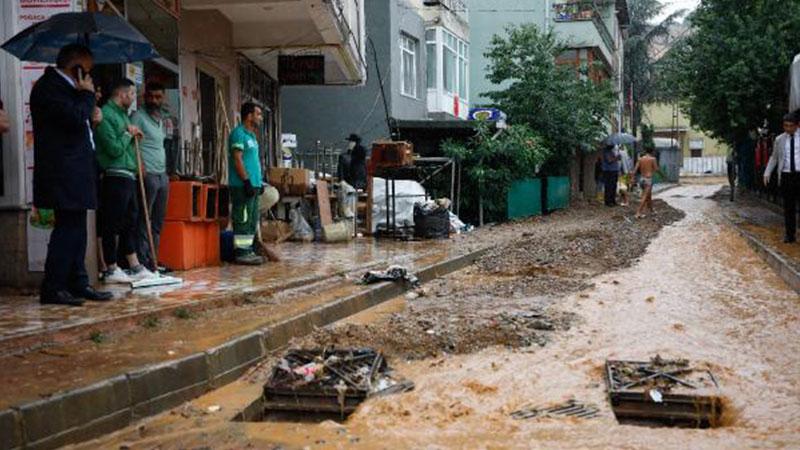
30,13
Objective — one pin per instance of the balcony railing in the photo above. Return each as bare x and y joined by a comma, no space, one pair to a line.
584,10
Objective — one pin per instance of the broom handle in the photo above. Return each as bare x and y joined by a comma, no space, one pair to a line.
153,251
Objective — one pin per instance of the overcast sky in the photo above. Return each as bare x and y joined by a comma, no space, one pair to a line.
671,6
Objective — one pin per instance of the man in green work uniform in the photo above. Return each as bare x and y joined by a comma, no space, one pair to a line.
119,209
245,183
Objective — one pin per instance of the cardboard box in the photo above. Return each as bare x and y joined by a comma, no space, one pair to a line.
290,181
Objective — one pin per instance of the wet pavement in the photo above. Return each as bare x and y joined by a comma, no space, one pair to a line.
699,292
24,322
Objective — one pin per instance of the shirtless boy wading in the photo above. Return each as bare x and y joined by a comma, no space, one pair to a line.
647,166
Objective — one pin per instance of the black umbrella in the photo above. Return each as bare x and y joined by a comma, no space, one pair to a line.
111,39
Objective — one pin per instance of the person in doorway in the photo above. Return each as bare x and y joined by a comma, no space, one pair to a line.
647,166
5,125
117,158
357,173
156,182
245,184
62,101
610,163
786,159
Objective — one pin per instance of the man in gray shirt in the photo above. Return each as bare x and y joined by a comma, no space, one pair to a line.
156,182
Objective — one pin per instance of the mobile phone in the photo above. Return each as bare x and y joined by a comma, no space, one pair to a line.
80,73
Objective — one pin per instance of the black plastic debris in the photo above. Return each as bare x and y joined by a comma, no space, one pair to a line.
572,408
329,380
393,273
667,392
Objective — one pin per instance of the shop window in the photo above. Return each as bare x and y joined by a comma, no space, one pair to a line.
409,48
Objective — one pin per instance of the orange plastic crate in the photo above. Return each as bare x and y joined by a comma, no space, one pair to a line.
186,202
210,202
212,255
182,245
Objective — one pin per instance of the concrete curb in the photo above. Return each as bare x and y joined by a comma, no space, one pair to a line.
86,413
778,263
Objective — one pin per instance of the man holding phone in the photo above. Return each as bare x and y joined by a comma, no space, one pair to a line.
62,102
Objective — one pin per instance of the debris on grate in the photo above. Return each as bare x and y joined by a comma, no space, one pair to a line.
329,380
572,408
670,392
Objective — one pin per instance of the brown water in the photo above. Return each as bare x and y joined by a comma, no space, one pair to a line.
698,293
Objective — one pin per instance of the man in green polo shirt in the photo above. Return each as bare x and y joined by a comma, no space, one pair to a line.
245,183
117,159
151,121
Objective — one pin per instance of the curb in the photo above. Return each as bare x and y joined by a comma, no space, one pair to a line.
81,414
778,263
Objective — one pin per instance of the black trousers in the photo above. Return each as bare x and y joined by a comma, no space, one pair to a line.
119,214
790,186
64,268
610,179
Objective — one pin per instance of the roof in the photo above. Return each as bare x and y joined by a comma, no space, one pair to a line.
436,124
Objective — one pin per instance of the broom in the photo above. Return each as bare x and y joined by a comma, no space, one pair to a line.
159,279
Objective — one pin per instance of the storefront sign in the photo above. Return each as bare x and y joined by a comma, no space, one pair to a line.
295,70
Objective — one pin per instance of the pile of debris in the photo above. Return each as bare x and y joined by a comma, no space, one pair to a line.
329,380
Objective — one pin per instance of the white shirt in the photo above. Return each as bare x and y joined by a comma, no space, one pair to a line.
787,154
75,86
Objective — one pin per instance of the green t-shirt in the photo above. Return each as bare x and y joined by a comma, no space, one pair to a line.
242,140
152,146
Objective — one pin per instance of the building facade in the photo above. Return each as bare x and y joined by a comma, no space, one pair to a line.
420,49
592,29
215,55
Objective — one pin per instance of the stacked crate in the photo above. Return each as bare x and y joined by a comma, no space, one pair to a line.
190,236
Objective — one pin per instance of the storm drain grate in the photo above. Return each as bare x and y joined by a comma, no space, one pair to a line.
327,381
668,392
572,408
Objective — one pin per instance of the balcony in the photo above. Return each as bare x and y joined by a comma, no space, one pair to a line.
265,29
585,10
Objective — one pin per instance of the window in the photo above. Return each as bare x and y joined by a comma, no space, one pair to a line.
432,57
408,65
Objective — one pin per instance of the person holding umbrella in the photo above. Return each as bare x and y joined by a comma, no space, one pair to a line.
62,103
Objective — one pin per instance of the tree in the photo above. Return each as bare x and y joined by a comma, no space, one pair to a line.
731,73
566,109
640,59
492,163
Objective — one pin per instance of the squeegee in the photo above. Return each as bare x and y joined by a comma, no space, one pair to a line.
158,279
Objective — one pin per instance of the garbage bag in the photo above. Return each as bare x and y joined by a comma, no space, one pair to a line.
431,221
300,228
393,273
346,196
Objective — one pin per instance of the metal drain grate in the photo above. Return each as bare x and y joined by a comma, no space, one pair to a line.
572,408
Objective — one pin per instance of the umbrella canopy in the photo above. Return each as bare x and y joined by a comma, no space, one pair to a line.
111,39
619,139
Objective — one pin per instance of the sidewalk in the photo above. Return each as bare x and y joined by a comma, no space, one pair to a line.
762,224
26,325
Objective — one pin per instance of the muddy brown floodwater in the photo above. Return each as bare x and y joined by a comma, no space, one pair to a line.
698,292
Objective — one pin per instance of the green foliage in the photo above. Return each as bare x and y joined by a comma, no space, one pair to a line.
183,314
648,131
731,73
641,67
492,162
98,337
151,322
568,111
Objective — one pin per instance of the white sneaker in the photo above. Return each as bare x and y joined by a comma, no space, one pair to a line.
140,273
116,276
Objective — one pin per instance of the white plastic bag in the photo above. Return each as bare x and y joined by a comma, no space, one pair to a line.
301,230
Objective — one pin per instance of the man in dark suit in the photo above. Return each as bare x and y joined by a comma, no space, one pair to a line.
62,104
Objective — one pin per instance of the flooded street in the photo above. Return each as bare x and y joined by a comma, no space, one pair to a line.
698,292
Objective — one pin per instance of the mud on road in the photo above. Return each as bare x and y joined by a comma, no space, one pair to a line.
509,298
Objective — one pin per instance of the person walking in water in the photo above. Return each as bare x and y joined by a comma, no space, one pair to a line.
647,166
